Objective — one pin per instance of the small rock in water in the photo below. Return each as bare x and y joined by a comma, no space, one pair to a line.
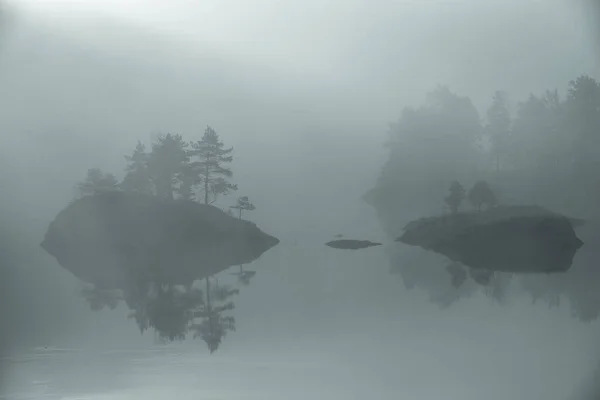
349,244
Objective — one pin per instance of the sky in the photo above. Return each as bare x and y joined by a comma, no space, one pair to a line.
329,71
304,91
380,46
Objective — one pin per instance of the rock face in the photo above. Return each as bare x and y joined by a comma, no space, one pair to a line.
109,238
520,239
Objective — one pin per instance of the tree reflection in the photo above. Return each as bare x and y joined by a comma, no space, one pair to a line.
170,310
214,325
174,311
498,287
244,276
99,299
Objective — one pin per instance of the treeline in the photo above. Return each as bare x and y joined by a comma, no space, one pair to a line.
546,150
174,169
479,195
543,150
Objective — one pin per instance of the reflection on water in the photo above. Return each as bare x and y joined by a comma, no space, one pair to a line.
173,312
149,251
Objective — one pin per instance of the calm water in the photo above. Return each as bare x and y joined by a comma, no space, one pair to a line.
353,333
172,372
429,365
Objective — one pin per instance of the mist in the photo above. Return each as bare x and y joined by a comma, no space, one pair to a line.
305,92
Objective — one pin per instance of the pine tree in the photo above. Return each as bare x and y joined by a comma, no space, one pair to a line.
243,204
97,181
498,127
481,194
209,156
456,196
166,164
187,183
137,176
214,326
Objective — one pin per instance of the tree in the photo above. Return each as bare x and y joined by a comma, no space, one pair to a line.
214,326
99,299
97,181
538,138
583,121
433,143
245,276
210,156
583,104
498,287
456,196
498,126
187,182
481,194
243,204
165,307
430,146
458,274
167,163
171,311
137,176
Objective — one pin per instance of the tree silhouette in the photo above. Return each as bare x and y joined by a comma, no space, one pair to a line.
210,156
214,326
582,111
433,143
458,274
548,155
97,181
187,182
481,194
166,164
456,196
498,126
243,204
498,286
166,308
137,176
482,277
171,311
583,106
99,299
245,276
538,141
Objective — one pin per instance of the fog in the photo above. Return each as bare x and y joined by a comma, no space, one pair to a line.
305,93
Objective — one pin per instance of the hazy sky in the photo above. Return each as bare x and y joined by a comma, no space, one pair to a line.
290,75
304,91
393,49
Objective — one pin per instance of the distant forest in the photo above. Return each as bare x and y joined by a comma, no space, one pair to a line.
543,150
